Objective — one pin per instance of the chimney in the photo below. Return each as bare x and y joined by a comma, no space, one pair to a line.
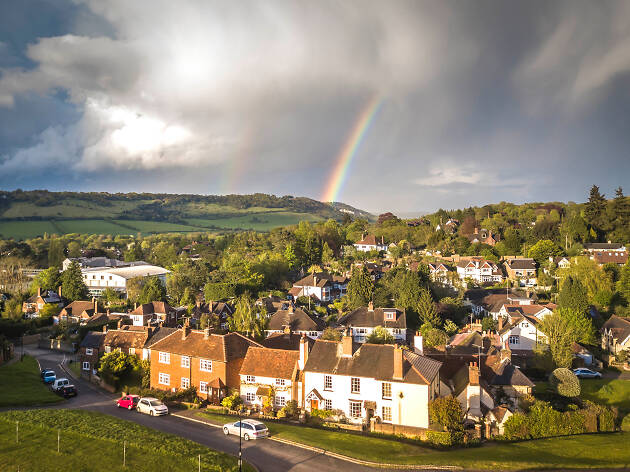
303,352
286,329
186,331
346,343
108,312
476,230
104,328
314,280
506,353
473,373
500,323
291,308
210,306
60,291
382,240
398,363
135,305
206,333
371,306
39,291
95,305
119,324
418,343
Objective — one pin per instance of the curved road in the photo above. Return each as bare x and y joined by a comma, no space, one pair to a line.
267,456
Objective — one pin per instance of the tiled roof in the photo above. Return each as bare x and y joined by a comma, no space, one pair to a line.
275,363
126,338
93,340
77,307
286,341
370,240
602,246
297,320
220,347
364,317
153,307
521,264
314,280
619,326
617,257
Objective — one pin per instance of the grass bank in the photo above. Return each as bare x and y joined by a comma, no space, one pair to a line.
94,442
610,392
21,385
584,451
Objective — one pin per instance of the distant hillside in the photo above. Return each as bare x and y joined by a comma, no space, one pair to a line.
25,214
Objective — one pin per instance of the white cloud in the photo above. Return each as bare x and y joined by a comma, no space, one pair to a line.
446,174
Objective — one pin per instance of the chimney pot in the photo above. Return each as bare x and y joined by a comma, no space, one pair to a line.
398,363
371,306
346,344
39,291
60,291
206,333
104,328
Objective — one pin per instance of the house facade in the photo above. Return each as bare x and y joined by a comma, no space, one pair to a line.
97,279
363,320
154,313
90,351
369,242
36,302
321,286
479,270
522,270
616,334
483,236
522,333
295,320
438,272
78,311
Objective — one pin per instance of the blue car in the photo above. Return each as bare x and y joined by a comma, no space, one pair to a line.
584,373
49,377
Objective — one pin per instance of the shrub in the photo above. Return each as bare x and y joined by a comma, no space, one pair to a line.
232,402
291,409
448,413
565,382
323,414
625,424
445,438
517,427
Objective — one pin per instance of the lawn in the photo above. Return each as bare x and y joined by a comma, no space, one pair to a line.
585,451
94,442
21,385
159,226
611,392
25,229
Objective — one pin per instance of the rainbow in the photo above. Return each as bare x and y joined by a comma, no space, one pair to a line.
349,149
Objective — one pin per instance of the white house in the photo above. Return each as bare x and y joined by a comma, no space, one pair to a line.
479,270
269,375
370,380
323,286
363,320
370,243
616,334
97,279
438,272
522,333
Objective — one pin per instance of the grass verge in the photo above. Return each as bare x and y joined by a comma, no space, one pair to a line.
584,451
94,442
610,392
21,385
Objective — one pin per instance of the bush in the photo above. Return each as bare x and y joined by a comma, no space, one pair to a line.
232,402
565,382
543,421
445,438
625,424
323,414
448,413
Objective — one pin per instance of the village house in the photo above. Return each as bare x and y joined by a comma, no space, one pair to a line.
371,243
78,310
363,320
154,313
209,362
270,377
610,257
522,270
370,380
616,334
595,248
295,320
479,270
450,227
521,333
273,303
561,262
221,310
488,302
36,302
322,286
376,271
90,351
438,272
287,340
483,236
512,310
127,339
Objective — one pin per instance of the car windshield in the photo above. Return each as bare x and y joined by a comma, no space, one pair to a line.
260,427
155,403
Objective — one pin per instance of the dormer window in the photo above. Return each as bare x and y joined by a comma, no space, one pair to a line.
390,315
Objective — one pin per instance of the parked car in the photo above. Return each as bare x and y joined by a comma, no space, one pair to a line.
152,406
45,372
49,377
68,391
249,429
584,373
128,401
59,383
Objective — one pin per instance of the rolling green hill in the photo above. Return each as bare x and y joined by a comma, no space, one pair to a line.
27,214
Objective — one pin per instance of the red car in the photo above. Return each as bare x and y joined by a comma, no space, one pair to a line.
128,401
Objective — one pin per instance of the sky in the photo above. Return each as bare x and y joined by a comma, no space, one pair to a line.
470,102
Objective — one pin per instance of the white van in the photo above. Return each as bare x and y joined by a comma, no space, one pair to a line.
57,384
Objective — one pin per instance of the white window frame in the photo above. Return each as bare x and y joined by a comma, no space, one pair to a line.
328,383
250,378
353,407
327,404
132,350
250,397
514,339
185,382
280,382
280,401
86,365
164,357
185,362
386,414
205,365
203,387
164,379
108,349
355,385
89,351
386,387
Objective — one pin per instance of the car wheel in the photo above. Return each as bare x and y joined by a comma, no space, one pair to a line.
130,407
226,431
246,437
151,412
118,404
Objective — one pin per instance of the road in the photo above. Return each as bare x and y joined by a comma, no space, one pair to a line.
267,456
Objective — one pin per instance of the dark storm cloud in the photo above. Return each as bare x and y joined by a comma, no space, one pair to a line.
482,101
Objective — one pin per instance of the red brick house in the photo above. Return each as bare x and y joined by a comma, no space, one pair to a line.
192,358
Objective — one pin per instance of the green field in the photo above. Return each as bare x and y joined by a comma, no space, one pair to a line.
584,451
94,442
25,229
159,227
71,208
20,384
256,221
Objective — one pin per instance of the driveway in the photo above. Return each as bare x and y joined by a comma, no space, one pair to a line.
267,456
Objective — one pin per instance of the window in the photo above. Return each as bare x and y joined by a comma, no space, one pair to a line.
88,351
280,382
525,325
250,397
185,382
390,315
86,366
281,401
360,331
108,349
396,330
205,365
132,350
165,358
164,379
327,404
513,339
387,414
355,385
312,334
387,390
250,379
327,382
185,361
203,387
355,409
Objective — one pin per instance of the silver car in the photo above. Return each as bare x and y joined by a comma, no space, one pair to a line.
249,429
152,406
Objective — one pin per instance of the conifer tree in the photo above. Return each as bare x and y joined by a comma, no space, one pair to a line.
595,208
72,285
360,288
426,309
573,295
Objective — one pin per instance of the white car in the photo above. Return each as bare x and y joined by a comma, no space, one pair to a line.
59,383
152,406
584,373
249,429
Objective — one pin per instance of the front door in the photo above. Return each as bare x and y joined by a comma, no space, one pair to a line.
314,404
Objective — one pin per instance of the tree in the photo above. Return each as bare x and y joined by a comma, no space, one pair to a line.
48,279
580,325
49,310
331,334
248,318
327,254
55,252
291,257
432,337
573,295
187,298
152,291
72,285
13,308
542,250
111,296
427,310
565,382
74,249
447,412
561,337
450,328
488,324
623,284
594,209
380,335
360,288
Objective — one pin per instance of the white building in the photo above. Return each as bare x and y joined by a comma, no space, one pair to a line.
269,375
522,333
323,286
98,279
363,320
370,243
370,380
479,270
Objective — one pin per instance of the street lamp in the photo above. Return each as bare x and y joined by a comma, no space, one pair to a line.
240,442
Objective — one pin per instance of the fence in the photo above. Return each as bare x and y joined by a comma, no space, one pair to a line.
409,431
